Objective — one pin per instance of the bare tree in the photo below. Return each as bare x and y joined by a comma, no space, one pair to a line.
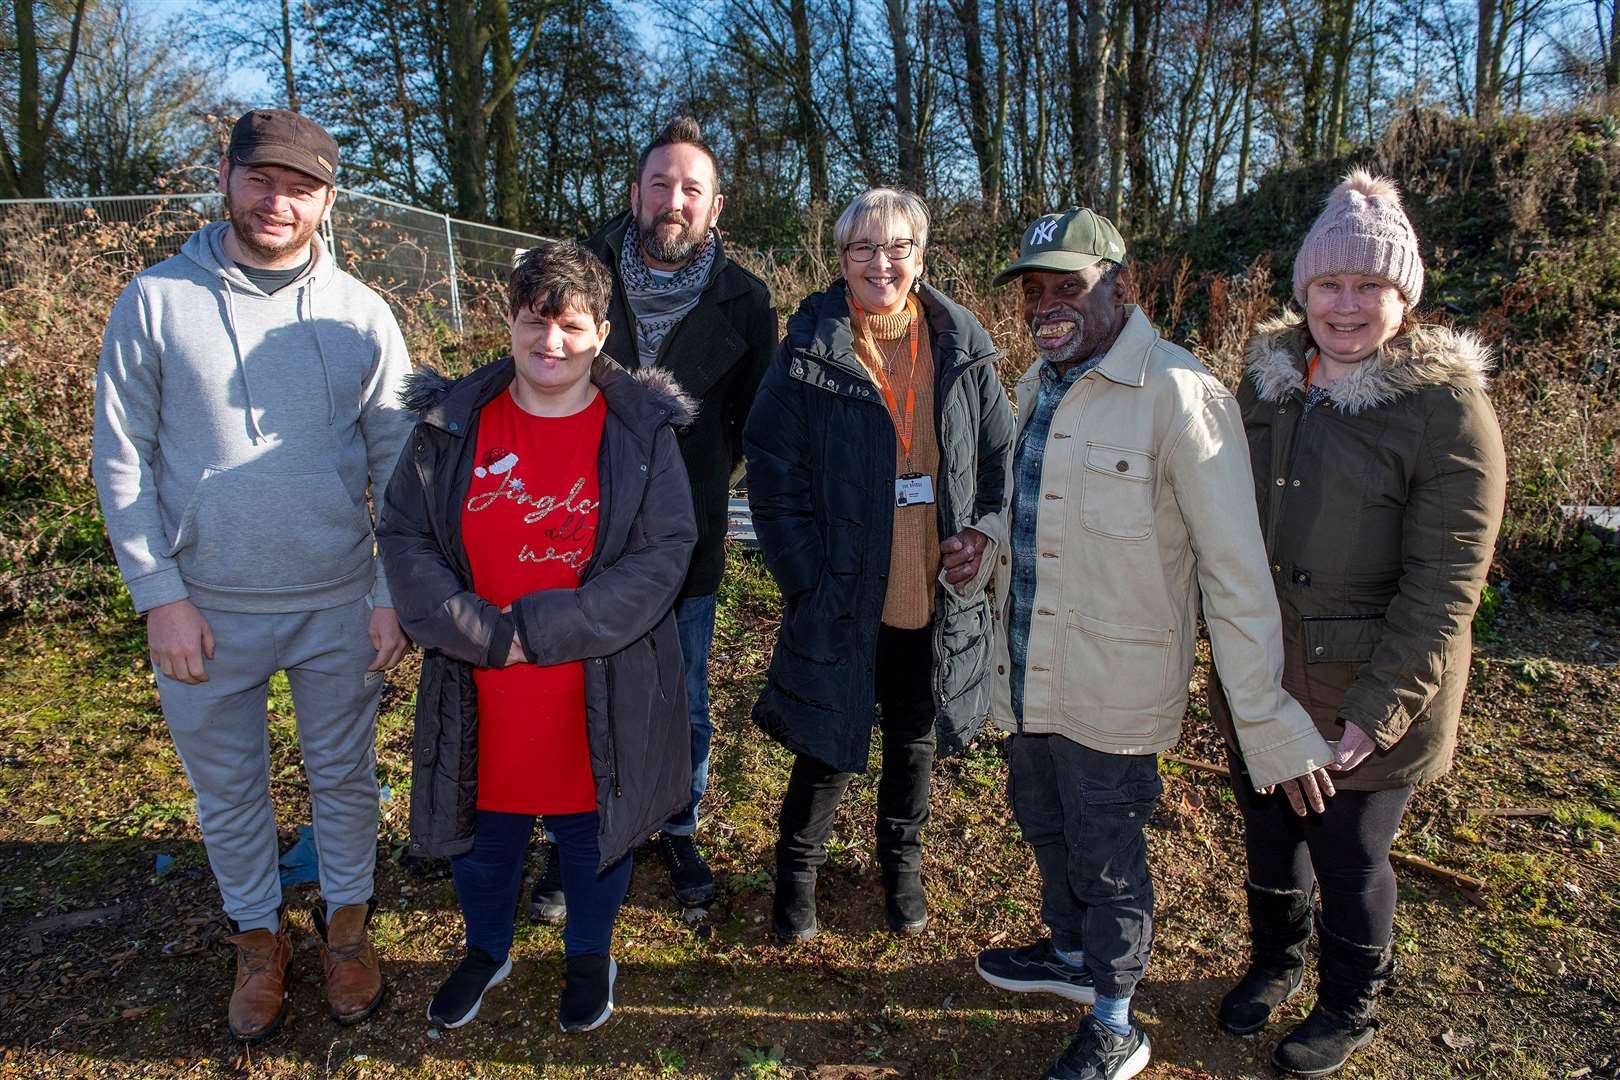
22,170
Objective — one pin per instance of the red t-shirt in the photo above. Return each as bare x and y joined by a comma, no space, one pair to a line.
529,523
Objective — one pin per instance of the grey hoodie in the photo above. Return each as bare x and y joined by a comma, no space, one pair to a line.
236,433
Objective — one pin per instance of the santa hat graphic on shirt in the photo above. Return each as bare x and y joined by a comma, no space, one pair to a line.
495,461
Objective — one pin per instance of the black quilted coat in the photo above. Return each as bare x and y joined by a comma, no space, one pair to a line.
821,465
619,620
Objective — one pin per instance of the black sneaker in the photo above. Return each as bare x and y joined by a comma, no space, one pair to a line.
1096,1053
587,997
546,903
458,999
1036,968
688,873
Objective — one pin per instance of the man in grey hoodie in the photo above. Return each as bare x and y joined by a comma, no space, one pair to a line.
246,400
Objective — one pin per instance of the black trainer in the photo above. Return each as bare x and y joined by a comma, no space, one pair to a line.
1036,968
458,999
587,997
688,873
1096,1053
546,903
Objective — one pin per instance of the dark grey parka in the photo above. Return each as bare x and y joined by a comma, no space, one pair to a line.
821,464
619,620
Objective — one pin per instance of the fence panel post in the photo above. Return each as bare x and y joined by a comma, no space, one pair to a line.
455,289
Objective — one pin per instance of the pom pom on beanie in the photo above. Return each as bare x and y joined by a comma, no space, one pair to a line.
1362,230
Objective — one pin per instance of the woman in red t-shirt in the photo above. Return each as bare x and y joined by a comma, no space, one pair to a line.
537,532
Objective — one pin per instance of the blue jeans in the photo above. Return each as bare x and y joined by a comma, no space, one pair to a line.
488,878
694,621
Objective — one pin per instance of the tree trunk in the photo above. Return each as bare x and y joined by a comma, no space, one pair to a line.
1250,75
905,125
1138,88
1088,75
811,137
1116,137
503,73
1042,117
406,110
467,143
1310,115
287,56
986,153
23,173
1485,100
1611,70
1333,130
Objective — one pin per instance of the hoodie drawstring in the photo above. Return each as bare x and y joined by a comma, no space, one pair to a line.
241,365
307,300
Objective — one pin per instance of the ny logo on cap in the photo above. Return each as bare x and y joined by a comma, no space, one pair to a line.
1044,231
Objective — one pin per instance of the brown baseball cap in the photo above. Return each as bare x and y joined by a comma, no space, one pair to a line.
283,137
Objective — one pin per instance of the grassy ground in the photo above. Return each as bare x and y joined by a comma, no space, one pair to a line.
111,966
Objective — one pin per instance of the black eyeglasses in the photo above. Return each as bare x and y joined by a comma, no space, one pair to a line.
864,251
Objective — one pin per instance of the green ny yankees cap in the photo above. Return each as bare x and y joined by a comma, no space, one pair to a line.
1065,242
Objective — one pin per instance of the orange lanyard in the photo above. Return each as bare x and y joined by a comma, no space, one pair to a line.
1310,370
903,427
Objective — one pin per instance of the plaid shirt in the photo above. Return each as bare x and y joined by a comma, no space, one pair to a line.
1028,458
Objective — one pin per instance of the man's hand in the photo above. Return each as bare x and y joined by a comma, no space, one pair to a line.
180,639
961,555
387,638
1352,749
1311,790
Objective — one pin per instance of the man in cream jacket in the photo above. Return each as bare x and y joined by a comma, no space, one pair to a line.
1131,500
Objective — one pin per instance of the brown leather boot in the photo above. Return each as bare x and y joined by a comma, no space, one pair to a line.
354,986
259,1002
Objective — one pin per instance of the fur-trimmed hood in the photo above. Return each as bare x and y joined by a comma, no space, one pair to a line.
1427,355
449,403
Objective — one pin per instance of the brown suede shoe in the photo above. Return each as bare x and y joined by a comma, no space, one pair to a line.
354,986
259,1002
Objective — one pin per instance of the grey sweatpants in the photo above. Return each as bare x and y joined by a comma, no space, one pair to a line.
220,729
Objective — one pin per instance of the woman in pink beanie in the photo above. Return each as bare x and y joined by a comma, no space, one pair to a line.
1379,473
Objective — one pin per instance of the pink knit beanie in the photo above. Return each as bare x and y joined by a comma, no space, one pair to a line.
1362,230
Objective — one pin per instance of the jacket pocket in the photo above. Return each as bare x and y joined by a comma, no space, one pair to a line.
1341,639
1112,668
271,532
1116,493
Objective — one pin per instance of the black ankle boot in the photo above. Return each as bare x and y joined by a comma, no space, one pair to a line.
1279,927
1341,1023
904,903
793,911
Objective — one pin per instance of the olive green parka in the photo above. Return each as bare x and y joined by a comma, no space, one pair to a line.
1380,510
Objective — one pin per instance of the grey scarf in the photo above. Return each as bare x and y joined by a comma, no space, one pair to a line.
658,306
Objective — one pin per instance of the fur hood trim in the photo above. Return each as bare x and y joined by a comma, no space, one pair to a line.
1427,355
661,383
426,388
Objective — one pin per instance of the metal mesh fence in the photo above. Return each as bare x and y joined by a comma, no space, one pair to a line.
405,253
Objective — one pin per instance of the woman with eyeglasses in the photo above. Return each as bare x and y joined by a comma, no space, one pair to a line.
877,452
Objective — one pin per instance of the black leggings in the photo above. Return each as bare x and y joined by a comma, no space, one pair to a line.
1344,850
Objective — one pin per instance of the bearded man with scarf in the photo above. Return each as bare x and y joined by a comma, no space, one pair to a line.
679,304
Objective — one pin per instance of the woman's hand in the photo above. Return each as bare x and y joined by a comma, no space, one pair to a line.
961,555
514,653
1352,749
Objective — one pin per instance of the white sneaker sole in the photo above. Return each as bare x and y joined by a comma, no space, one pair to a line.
1084,995
1136,1062
494,980
607,1010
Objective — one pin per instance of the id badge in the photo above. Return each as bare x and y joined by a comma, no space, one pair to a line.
913,489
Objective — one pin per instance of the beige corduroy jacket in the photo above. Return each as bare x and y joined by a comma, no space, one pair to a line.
1146,504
